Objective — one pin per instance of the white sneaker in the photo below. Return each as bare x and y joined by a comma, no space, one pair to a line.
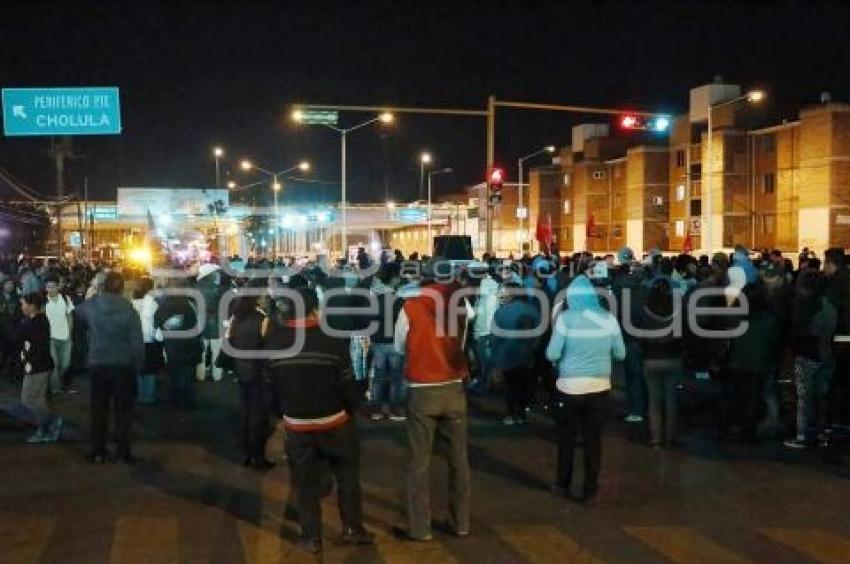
631,418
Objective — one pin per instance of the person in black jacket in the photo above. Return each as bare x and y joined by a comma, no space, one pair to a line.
310,372
177,318
661,347
246,334
34,339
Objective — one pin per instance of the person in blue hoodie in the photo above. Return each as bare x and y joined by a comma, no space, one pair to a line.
585,339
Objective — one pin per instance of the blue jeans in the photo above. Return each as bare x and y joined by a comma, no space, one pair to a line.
484,355
388,383
60,350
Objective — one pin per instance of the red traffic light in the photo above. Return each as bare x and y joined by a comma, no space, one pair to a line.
496,176
629,122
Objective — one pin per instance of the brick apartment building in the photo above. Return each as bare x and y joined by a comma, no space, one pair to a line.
784,185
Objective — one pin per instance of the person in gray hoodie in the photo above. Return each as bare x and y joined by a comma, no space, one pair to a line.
116,355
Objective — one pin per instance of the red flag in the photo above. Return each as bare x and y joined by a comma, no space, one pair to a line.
688,244
591,226
544,230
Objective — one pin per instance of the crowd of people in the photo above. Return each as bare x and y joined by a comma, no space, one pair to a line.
408,341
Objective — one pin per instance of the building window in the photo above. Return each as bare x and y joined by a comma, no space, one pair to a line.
680,228
768,143
768,225
566,206
680,192
696,208
769,183
680,158
567,179
617,231
598,174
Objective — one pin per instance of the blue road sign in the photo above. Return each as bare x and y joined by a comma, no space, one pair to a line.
61,111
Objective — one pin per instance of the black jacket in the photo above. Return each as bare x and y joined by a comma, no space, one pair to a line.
176,313
115,331
34,340
246,335
315,382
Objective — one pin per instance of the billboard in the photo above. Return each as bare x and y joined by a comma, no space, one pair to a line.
170,201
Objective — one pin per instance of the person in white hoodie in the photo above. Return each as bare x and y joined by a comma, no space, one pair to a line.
485,308
145,305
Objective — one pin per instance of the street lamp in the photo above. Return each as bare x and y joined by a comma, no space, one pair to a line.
231,185
385,118
276,186
432,174
218,153
752,96
425,159
547,149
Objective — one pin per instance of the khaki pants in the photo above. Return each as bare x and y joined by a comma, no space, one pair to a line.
437,410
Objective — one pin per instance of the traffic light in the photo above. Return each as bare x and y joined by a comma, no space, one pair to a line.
658,124
495,179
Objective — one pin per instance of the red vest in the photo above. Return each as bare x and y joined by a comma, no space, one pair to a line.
432,356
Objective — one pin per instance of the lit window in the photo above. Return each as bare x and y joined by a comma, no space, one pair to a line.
566,206
680,192
680,228
567,179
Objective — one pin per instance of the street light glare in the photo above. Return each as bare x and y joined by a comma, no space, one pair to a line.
246,165
386,117
755,95
304,166
390,205
550,149
276,186
425,158
218,152
231,185
297,116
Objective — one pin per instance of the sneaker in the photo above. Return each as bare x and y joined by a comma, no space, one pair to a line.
377,416
402,533
631,418
509,421
357,535
796,444
39,438
398,417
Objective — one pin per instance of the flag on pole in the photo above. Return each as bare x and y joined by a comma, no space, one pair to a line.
544,231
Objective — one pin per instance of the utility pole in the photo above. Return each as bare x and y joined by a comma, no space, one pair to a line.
491,156
60,151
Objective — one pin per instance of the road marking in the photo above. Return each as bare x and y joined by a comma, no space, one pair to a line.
541,543
397,551
680,544
145,540
815,543
23,539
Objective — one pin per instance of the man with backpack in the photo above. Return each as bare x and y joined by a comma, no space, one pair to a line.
59,310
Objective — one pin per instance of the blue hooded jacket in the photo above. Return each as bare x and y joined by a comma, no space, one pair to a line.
585,336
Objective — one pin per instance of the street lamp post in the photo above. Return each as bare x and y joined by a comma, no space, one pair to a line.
424,159
754,96
432,174
218,153
548,149
385,118
276,186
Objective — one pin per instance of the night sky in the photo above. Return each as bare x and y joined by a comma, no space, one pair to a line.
195,75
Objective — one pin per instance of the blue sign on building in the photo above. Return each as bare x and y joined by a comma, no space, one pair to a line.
61,111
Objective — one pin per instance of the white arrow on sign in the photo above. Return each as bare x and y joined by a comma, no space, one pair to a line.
19,111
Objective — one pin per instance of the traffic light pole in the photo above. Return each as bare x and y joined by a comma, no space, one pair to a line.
490,114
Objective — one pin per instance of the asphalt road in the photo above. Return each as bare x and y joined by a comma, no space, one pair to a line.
188,500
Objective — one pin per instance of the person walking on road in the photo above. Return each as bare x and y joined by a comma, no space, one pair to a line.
34,339
59,310
116,356
427,333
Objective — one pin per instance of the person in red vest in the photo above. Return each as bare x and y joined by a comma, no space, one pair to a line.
428,332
